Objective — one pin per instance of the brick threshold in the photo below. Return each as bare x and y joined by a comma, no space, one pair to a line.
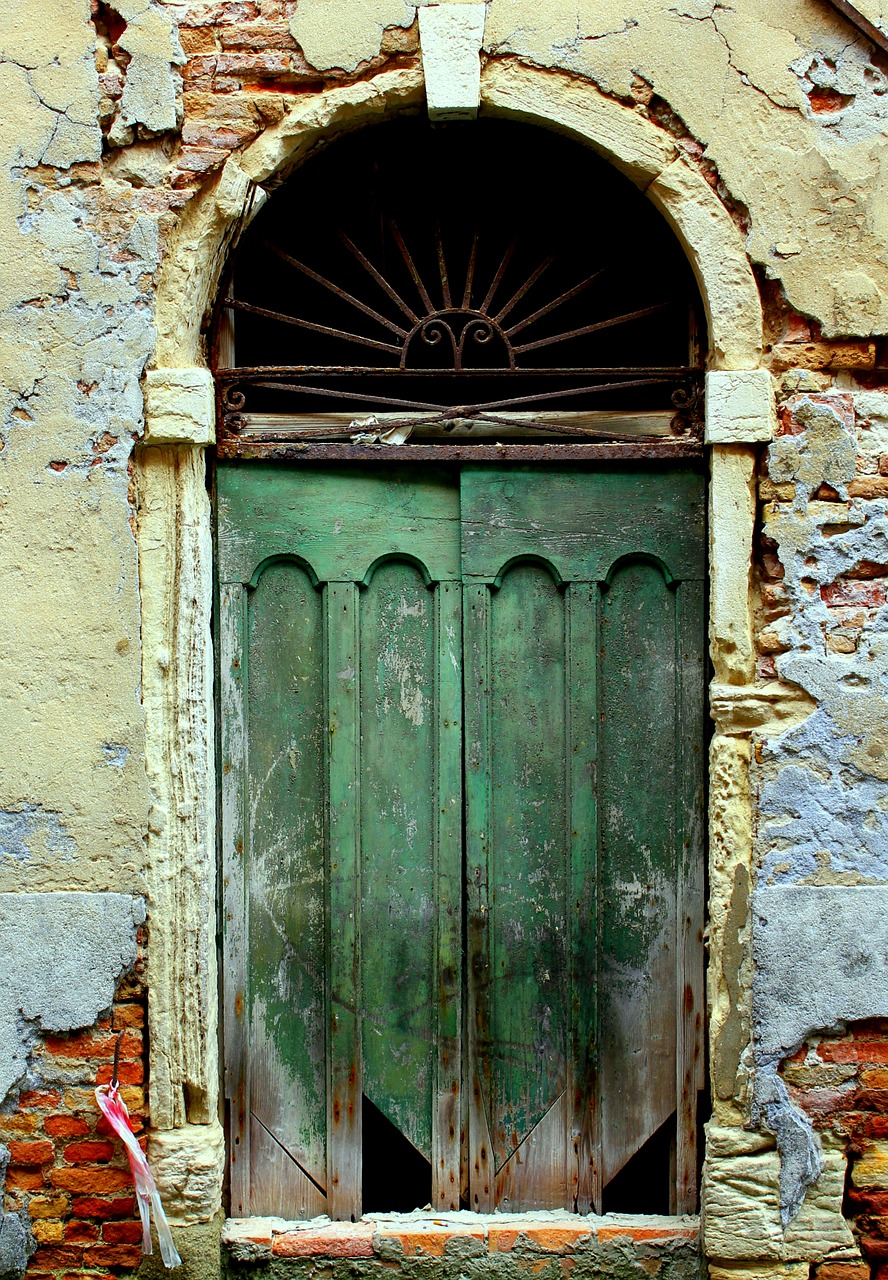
392,1236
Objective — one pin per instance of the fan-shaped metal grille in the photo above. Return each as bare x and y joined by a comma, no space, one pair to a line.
457,282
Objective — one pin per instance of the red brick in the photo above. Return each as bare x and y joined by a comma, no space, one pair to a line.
120,1255
92,1207
868,593
81,1232
341,1240
647,1234
88,1152
874,1250
55,1259
868,487
24,1180
843,1271
39,1098
872,1100
65,1126
869,1029
122,1233
837,1051
85,1045
31,1153
127,1073
92,1181
557,1239
869,1201
128,1015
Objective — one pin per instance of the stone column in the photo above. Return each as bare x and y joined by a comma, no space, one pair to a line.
176,580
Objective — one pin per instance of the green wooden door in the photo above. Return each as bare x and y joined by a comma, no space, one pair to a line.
514,981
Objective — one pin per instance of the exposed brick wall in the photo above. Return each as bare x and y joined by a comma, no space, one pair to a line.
67,1168
852,600
841,1082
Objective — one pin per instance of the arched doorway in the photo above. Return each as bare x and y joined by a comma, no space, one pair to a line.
462,682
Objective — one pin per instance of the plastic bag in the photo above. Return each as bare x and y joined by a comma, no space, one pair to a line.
114,1110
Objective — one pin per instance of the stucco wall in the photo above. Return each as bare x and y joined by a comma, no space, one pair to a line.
117,125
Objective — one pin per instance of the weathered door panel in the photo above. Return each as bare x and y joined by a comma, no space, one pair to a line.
286,820
359,612
581,522
576,846
638,796
344,855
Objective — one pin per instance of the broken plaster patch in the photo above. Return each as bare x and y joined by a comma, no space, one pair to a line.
355,36
815,969
846,92
152,85
25,826
63,956
820,915
17,1243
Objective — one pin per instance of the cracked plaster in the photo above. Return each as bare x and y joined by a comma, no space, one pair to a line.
740,79
74,338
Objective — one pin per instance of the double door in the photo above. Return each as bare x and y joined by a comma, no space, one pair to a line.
462,776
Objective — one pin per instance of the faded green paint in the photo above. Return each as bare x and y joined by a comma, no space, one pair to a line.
575,657
286,815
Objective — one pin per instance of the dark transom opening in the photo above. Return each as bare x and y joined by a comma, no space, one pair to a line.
457,282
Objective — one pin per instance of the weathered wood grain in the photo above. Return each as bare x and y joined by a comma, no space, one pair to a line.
286,871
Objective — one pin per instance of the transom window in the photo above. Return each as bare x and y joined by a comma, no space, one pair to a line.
455,283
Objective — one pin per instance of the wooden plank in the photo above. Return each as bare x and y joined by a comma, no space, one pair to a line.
582,522
517,822
521,425
690,992
583,1093
476,649
304,452
538,1174
344,1057
398,820
287,794
637,788
529,1004
338,521
447,1117
235,1012
279,1185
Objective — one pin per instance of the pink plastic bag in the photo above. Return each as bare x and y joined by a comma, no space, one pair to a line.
114,1110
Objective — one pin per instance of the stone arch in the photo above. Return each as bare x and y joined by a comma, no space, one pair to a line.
510,89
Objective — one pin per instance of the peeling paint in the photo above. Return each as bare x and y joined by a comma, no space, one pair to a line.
27,825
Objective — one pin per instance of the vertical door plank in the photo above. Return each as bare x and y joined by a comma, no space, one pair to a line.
517,848
285,883
583,980
691,736
398,819
446,1120
529,858
638,863
477,730
235,1013
344,1064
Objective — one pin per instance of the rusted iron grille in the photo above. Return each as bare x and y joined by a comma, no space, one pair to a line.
441,316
